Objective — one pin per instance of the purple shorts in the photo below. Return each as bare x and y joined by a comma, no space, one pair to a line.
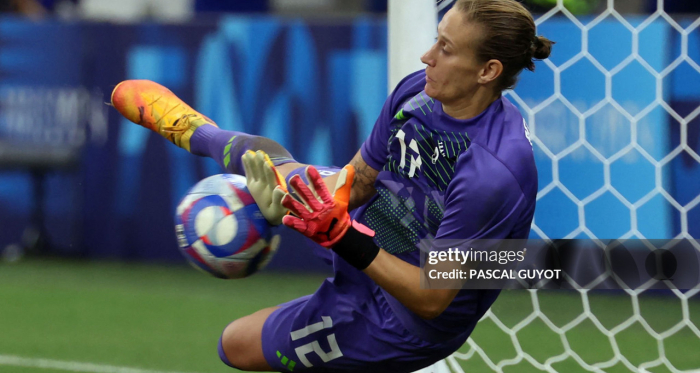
346,326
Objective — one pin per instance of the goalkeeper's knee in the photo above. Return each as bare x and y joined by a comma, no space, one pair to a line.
222,354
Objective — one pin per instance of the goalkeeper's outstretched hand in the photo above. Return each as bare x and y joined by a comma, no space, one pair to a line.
322,217
266,185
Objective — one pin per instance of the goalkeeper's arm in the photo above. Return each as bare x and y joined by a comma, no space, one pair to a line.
263,178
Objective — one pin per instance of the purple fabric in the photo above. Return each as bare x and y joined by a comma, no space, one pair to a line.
483,185
227,150
479,173
357,317
375,148
324,171
496,177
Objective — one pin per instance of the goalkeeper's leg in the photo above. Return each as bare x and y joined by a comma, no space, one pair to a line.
345,326
155,107
227,148
240,345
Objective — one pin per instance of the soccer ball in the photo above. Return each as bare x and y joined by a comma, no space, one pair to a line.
221,230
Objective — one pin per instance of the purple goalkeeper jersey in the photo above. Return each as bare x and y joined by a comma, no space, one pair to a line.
445,178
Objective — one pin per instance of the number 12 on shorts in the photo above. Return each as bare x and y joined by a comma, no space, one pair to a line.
315,346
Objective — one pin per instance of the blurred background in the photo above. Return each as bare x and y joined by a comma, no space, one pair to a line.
90,271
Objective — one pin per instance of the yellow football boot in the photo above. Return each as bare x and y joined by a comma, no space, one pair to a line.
153,106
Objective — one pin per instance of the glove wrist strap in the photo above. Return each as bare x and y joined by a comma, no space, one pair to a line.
356,248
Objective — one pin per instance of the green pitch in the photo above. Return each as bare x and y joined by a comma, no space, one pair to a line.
168,318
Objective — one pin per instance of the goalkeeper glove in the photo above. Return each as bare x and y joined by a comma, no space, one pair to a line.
324,217
266,185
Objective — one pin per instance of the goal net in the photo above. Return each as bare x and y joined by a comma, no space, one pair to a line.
613,117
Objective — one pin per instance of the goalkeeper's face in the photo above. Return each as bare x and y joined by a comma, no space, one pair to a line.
453,69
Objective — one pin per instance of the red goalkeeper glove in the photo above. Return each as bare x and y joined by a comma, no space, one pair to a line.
322,217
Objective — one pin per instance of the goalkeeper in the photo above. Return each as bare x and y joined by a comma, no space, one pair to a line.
449,158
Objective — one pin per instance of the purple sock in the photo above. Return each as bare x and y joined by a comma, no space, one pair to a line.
227,147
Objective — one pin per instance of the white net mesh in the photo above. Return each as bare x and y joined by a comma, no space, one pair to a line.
605,121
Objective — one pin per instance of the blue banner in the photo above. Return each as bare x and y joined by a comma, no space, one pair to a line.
317,87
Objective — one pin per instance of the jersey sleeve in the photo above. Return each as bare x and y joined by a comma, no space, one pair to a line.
375,148
483,200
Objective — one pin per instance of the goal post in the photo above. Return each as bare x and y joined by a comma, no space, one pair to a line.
410,34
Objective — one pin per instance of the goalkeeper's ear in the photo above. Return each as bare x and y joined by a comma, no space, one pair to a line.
343,185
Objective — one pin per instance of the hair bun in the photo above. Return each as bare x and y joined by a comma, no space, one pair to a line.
542,47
